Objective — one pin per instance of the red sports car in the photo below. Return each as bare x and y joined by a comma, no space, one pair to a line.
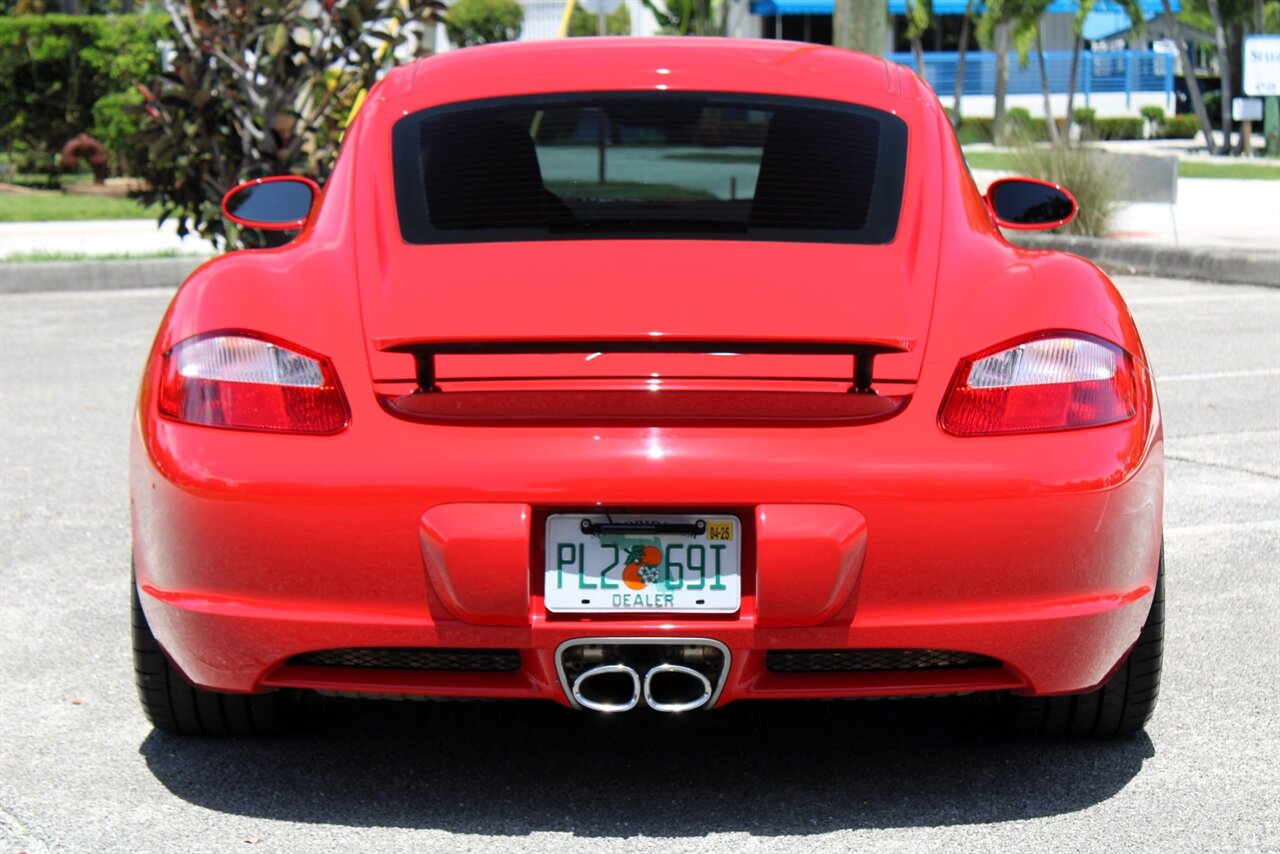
648,373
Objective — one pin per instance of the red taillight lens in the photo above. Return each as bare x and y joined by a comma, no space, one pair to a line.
249,383
1052,383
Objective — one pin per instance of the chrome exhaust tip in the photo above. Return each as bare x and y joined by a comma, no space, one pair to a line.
608,688
676,688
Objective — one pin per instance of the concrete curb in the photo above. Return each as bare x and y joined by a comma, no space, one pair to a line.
38,277
1214,263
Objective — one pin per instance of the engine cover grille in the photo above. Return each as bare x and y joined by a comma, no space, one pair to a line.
410,658
848,660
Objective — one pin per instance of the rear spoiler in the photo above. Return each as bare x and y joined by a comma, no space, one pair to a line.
863,353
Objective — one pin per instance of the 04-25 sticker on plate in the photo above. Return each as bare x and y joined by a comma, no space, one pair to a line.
633,562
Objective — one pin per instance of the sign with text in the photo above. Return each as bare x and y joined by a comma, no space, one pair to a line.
1246,109
1262,65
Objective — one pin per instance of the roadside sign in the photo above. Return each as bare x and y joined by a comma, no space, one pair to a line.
1246,109
595,7
1262,65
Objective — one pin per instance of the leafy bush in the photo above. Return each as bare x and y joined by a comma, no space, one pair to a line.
1084,116
1095,181
1123,127
474,22
977,129
1213,106
1181,127
1018,118
214,121
583,23
54,69
1153,114
117,118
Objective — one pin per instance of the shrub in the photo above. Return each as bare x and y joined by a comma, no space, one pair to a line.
475,22
1123,127
117,118
1018,117
1153,114
583,23
1095,181
977,129
54,69
1084,116
212,122
1182,127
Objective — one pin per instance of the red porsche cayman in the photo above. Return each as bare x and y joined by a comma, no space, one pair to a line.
653,373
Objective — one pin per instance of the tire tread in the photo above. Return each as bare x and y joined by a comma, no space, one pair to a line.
172,704
1120,706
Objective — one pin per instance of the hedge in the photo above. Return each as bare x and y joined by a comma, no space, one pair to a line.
1181,127
61,75
1124,127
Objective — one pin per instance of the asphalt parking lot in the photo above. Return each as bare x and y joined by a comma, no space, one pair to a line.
80,770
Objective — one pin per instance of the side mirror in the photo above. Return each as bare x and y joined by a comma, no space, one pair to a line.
1029,203
282,203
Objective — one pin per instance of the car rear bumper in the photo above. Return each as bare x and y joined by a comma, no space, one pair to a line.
1039,552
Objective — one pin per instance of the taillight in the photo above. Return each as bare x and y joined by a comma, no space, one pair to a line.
249,383
1055,382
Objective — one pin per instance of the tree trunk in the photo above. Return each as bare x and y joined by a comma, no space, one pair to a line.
860,25
1193,85
1002,75
1224,72
1071,86
1050,125
917,51
1235,46
965,24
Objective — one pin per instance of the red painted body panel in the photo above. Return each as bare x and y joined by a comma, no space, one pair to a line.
1037,550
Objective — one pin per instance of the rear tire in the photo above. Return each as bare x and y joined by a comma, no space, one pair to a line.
173,704
1122,705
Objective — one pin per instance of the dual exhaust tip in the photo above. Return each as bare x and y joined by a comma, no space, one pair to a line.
620,688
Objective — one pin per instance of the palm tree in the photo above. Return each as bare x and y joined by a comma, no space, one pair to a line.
1193,85
966,24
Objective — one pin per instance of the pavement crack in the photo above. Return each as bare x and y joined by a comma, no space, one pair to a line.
1239,469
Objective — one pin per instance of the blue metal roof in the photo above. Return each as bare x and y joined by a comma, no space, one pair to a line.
1105,11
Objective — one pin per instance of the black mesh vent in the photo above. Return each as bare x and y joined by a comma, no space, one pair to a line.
476,660
846,660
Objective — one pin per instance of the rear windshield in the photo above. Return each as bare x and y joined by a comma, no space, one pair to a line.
649,165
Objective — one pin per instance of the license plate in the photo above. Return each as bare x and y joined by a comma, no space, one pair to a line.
637,563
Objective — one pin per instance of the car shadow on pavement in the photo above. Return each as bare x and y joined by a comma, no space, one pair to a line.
765,768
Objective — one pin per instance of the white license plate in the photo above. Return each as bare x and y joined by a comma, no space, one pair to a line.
639,562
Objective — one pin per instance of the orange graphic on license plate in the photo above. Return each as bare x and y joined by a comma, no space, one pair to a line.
642,570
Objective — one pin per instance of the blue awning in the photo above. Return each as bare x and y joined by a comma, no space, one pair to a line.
1103,10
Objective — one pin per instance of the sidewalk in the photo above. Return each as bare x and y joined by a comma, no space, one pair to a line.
135,237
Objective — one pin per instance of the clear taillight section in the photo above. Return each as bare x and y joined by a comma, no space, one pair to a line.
249,383
1060,382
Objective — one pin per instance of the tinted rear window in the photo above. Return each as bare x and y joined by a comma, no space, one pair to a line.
649,165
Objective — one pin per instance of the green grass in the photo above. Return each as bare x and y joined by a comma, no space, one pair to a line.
1004,162
1234,169
38,257
53,207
